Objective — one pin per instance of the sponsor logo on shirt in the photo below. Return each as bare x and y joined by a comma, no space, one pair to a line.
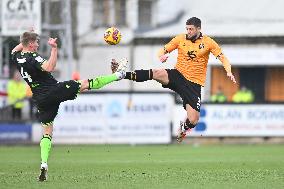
21,60
39,59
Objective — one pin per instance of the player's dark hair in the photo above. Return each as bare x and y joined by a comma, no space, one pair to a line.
194,21
28,37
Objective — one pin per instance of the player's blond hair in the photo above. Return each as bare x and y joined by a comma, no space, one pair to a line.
28,37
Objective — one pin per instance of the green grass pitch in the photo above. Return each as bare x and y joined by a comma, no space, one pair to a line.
146,166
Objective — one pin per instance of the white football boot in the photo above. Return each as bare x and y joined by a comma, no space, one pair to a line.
43,172
182,132
121,69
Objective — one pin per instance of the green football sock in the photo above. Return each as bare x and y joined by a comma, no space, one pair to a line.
45,146
101,81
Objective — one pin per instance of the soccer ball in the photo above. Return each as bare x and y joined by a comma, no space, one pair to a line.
112,36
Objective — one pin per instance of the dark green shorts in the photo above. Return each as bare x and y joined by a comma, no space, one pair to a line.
48,106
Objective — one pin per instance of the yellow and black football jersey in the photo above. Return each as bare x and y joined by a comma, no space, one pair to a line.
193,56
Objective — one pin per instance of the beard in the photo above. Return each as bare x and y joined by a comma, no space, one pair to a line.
192,38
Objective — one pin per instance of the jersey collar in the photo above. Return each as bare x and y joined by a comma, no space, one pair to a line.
23,52
193,41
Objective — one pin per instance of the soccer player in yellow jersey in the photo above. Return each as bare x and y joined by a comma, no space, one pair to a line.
189,73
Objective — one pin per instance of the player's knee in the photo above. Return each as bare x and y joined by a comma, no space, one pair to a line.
159,74
48,130
84,85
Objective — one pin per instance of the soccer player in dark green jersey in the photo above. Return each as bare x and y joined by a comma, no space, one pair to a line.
35,70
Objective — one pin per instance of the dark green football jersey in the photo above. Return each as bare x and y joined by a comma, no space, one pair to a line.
29,65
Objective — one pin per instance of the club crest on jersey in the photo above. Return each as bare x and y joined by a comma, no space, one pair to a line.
39,59
201,46
21,60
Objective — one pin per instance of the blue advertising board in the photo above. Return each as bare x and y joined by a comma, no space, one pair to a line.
12,133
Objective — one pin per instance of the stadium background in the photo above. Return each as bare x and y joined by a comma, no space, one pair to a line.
250,33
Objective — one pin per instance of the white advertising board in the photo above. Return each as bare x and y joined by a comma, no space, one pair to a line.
236,120
19,16
114,118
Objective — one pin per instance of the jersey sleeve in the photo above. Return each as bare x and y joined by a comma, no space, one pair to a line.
37,60
215,49
13,56
172,45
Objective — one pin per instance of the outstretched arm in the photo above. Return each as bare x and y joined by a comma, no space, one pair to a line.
227,66
169,47
50,65
217,52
